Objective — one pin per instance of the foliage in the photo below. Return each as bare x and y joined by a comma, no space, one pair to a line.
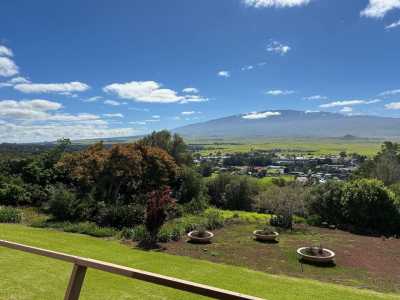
88,228
63,204
172,144
325,201
120,216
13,191
248,159
233,192
283,202
156,211
10,215
385,166
370,206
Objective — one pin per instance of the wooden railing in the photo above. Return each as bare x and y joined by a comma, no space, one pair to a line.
81,264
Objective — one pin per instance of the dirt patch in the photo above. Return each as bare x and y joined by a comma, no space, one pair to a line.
362,261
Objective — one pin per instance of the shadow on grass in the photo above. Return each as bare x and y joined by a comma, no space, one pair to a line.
318,264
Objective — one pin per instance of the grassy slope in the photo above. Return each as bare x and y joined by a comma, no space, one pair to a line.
24,276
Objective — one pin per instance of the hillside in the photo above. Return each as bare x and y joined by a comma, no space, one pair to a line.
291,124
33,277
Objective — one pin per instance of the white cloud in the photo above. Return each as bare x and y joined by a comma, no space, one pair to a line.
260,115
348,103
93,99
389,93
7,67
112,103
279,92
155,116
19,79
138,123
393,106
276,3
188,113
139,109
346,109
190,90
194,98
316,97
4,51
312,111
152,120
379,8
143,91
278,48
69,87
223,73
247,68
393,25
113,115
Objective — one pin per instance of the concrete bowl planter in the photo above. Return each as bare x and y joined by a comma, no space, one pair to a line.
316,255
259,236
195,238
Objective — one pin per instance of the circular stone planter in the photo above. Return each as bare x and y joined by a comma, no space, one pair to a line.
327,258
200,240
265,237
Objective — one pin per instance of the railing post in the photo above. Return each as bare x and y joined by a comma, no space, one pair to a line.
75,282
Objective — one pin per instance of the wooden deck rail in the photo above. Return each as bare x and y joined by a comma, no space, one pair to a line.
81,264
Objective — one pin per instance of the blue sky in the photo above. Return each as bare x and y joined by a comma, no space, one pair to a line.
97,68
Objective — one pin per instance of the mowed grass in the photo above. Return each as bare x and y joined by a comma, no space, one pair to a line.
368,147
27,276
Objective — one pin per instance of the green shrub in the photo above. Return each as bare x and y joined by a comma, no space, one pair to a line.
63,204
120,216
139,233
371,207
314,220
10,215
88,228
214,219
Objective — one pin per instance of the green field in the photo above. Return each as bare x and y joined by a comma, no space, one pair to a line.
25,276
367,147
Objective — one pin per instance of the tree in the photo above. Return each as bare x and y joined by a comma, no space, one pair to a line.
174,145
120,173
325,201
370,206
156,212
283,202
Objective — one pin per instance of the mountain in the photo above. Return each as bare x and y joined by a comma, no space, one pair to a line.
292,123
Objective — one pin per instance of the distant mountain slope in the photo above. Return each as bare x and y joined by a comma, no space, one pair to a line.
291,123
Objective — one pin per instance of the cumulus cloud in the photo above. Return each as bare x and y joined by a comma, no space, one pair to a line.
150,92
223,73
279,92
390,93
112,102
379,8
143,91
393,106
7,67
348,103
393,25
278,48
316,97
261,115
4,51
276,3
69,87
190,90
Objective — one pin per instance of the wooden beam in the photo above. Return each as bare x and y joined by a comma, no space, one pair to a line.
179,284
75,282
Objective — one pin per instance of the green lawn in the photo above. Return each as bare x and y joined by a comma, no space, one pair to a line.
26,276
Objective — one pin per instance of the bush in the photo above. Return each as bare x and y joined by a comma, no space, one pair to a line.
10,215
13,192
120,216
371,207
214,219
314,220
325,201
88,228
63,204
138,233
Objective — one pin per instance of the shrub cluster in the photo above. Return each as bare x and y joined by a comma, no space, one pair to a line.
10,215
